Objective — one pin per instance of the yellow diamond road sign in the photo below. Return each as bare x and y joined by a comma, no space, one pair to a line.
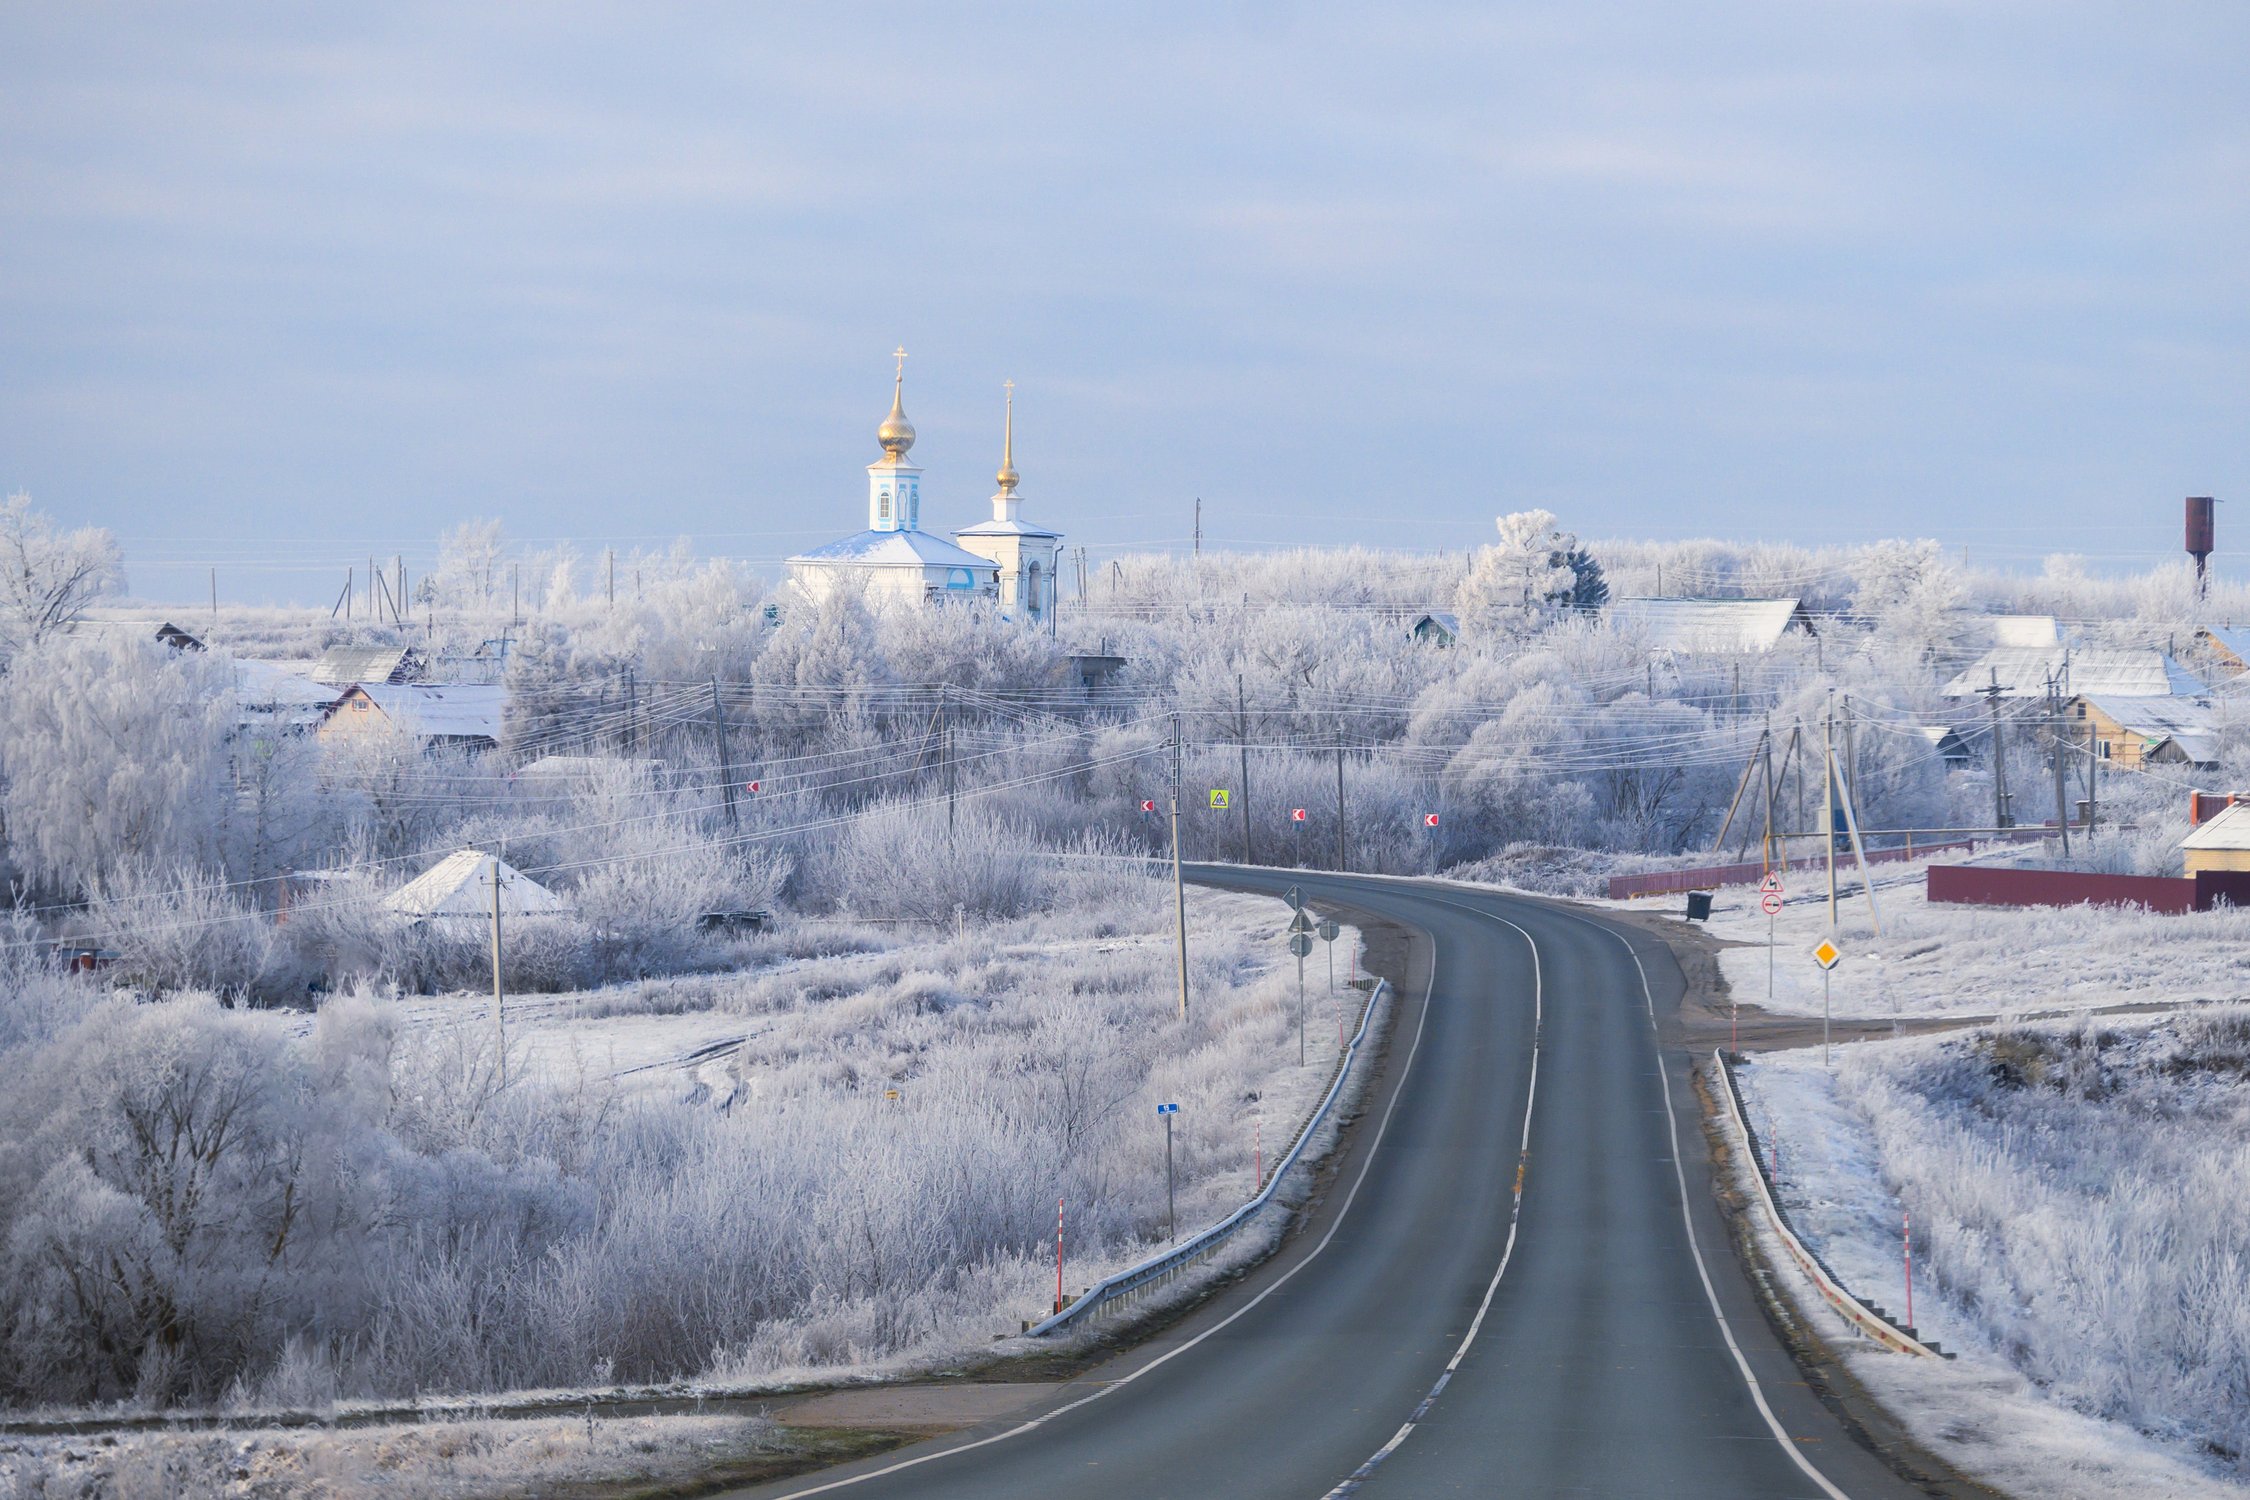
1827,953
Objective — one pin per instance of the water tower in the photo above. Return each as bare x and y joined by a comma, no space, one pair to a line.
2200,531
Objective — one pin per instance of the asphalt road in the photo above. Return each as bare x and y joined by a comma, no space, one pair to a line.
1603,1343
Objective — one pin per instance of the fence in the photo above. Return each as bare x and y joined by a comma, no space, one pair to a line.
1869,1318
1976,885
1111,1291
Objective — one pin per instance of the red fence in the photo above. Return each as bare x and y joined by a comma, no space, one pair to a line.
1710,877
1978,885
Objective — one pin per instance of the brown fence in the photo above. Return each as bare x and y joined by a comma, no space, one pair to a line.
1711,877
1979,885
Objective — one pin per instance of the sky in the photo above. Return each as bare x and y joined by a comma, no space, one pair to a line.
283,285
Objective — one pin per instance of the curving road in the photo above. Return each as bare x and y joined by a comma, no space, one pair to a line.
1603,1343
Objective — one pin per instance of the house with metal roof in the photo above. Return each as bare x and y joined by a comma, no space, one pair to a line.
2130,732
2218,843
2031,672
278,695
2226,647
1709,627
454,716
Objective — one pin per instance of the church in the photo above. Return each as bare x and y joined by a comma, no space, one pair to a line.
1006,561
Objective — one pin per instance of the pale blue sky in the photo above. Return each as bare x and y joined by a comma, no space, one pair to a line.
289,283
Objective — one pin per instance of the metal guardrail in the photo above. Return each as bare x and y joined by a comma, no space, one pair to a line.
1867,1318
1160,1269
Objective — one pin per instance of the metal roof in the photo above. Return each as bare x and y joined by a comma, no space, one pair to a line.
2023,672
2190,723
345,665
2229,830
1708,626
896,549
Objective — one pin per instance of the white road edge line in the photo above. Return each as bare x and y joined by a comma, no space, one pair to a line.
1367,1165
1360,1475
1749,1378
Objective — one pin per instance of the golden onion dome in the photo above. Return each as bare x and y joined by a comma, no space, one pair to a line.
896,434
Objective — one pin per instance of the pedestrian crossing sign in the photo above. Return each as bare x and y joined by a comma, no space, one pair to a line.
1218,799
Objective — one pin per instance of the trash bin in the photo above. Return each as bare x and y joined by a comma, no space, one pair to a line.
1699,906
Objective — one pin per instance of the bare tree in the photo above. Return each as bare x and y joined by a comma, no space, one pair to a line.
48,577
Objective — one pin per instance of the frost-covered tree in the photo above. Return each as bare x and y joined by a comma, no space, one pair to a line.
115,754
1516,588
48,577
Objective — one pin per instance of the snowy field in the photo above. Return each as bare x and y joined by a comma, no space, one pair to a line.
1969,960
440,1460
839,1164
2078,1239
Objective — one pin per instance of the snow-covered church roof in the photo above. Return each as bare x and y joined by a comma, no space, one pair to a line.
894,549
460,885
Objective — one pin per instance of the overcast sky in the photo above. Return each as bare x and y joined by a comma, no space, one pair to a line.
290,283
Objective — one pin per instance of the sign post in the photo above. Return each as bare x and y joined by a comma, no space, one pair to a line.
1300,944
1429,821
1826,955
1769,899
1297,827
1171,1203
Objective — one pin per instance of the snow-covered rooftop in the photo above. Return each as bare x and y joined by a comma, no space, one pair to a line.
2190,723
460,885
1711,626
345,665
1006,528
2234,640
2026,632
463,710
2229,830
2023,672
895,549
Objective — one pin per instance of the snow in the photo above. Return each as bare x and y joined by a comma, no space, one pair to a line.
460,885
2074,1226
1948,960
453,1459
2023,672
1716,626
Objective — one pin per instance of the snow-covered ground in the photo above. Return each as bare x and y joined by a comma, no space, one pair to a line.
1969,960
466,1459
2078,1238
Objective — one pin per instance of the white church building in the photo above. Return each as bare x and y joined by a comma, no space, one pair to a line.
1006,560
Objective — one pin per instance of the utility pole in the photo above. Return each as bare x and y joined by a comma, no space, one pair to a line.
499,1010
945,712
1242,745
2000,817
1199,526
515,594
1828,804
1179,891
726,763
611,554
2055,753
1339,803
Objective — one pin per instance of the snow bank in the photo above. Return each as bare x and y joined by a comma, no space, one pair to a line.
2078,1238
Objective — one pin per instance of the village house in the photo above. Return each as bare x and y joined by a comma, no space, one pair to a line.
2131,731
2221,842
1709,627
2034,671
462,717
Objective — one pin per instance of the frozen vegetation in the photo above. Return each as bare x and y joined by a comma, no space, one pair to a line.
2078,1236
1937,960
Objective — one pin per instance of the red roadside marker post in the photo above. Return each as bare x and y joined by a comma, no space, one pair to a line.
1058,1254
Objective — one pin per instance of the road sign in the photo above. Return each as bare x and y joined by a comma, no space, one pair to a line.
1302,922
1771,883
1328,929
1296,815
1148,804
1293,896
1770,902
756,786
1219,799
1300,944
1429,820
1827,954
1167,1109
